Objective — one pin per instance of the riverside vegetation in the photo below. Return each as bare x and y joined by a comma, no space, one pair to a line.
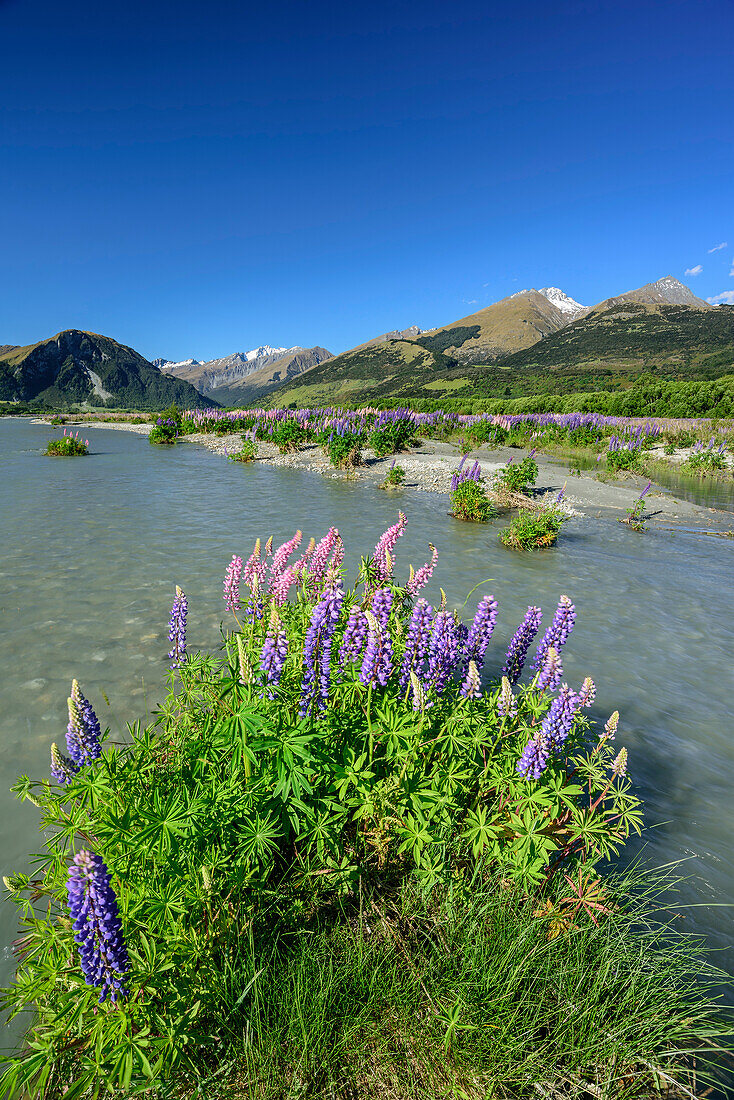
68,446
345,859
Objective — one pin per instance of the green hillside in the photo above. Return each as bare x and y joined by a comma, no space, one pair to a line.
608,349
82,368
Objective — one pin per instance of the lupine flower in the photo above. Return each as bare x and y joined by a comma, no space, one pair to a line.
551,673
557,633
377,660
232,584
355,634
255,567
551,736
471,688
443,650
320,556
317,652
97,929
520,643
282,585
619,766
587,695
421,578
419,695
610,728
243,661
280,557
177,629
416,642
301,565
274,651
507,703
382,558
62,768
83,735
481,630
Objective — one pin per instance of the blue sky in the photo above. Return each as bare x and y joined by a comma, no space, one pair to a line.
199,178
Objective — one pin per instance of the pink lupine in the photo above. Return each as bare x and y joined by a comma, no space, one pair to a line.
232,584
421,578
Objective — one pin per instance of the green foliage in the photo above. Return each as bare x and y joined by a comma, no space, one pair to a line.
275,873
391,438
247,452
626,458
344,451
518,477
394,478
533,529
469,502
163,432
636,516
288,435
66,447
705,461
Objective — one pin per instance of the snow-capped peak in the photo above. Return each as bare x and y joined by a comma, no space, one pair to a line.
561,300
166,364
265,349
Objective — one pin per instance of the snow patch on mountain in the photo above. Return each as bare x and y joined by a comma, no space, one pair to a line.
561,300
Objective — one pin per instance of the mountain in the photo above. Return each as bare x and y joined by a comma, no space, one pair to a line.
666,291
246,375
534,342
84,368
568,306
387,366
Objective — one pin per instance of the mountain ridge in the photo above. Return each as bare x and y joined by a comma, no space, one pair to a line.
87,368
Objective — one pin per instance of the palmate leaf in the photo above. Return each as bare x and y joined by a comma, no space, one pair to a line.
258,838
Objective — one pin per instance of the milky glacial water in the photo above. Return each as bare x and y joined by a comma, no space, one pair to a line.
93,547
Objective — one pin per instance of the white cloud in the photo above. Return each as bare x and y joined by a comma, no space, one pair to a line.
469,301
718,247
731,273
727,298
694,270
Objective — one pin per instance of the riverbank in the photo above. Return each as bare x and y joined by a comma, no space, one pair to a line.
429,467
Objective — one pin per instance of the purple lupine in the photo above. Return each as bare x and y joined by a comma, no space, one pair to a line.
416,642
551,673
377,660
83,734
443,650
481,630
317,652
421,578
471,687
274,652
382,559
551,736
97,928
354,637
558,632
177,629
520,643
232,584
62,768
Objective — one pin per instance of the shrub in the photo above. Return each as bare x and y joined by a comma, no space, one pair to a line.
66,447
469,502
334,795
391,437
518,477
288,435
704,460
344,450
394,478
533,529
164,431
623,457
246,453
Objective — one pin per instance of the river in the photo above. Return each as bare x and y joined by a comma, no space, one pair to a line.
93,547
